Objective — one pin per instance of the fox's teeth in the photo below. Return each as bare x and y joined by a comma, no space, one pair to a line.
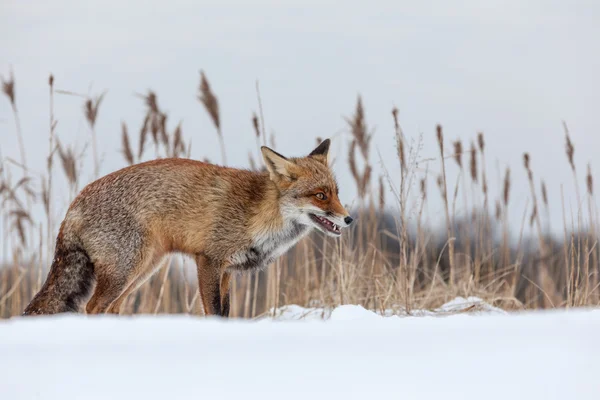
330,225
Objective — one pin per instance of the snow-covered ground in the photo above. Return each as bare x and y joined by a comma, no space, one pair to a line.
448,353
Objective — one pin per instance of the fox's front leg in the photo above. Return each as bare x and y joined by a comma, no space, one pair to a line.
224,290
209,283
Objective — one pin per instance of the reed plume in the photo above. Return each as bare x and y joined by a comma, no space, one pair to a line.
8,88
90,109
211,104
127,153
590,181
473,163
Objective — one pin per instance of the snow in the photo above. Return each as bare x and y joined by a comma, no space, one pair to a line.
463,350
471,305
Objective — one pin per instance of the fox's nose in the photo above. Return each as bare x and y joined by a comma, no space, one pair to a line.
348,220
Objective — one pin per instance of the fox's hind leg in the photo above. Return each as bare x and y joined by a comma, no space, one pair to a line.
115,307
115,283
109,286
118,265
151,266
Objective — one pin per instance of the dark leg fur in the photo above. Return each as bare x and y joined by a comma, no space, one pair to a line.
68,284
224,290
225,306
209,281
216,304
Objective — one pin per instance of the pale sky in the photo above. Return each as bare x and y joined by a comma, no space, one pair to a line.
513,70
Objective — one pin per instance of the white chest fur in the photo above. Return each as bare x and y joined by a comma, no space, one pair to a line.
266,248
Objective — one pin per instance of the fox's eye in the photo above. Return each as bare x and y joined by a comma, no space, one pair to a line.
321,196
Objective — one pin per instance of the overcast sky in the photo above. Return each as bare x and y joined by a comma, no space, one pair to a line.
513,70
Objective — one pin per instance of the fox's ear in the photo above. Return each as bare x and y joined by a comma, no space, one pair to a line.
322,151
278,165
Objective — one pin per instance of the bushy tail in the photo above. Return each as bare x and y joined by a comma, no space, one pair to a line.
68,284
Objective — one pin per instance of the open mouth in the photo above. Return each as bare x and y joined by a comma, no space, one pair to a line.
326,224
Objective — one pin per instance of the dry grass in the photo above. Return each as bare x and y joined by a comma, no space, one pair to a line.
389,259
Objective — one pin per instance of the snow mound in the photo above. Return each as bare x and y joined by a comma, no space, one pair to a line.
350,312
295,312
472,305
460,305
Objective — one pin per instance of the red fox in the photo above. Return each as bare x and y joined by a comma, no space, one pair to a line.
119,227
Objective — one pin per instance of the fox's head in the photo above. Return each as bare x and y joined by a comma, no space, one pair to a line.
308,190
